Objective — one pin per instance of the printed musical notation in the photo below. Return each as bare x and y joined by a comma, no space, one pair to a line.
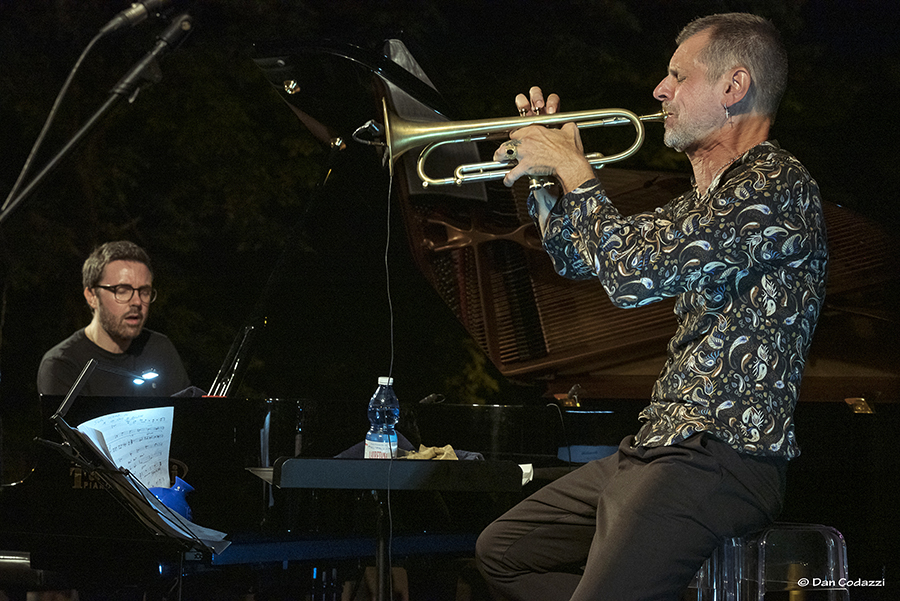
137,441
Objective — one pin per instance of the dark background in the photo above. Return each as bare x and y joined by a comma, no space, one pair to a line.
215,177
212,173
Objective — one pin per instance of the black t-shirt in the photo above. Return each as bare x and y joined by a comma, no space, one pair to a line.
151,350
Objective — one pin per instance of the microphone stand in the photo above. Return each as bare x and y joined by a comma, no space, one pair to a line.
145,71
55,161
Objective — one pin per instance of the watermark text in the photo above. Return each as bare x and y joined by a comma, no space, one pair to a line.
839,583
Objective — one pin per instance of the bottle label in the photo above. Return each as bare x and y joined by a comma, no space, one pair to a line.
379,449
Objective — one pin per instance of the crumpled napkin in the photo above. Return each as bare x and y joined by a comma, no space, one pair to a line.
445,452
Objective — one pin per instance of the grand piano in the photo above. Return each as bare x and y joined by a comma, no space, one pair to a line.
475,248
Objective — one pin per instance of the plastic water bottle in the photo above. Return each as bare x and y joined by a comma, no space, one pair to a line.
384,413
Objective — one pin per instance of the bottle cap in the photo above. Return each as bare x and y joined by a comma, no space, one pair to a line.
385,381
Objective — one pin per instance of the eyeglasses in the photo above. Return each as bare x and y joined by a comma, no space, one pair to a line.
124,292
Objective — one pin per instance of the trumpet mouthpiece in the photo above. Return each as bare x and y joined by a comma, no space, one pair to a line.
660,116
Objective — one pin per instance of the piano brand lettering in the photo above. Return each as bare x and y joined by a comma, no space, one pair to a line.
82,480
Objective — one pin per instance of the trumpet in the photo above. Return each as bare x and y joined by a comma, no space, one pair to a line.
401,135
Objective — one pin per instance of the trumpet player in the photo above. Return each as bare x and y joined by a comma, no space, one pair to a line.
744,253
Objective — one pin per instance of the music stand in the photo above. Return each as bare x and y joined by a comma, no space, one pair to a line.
382,475
123,485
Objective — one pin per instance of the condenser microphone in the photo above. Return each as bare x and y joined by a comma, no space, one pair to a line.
147,68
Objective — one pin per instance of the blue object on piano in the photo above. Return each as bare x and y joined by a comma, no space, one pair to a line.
175,498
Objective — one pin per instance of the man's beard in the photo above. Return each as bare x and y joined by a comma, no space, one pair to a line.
118,329
686,133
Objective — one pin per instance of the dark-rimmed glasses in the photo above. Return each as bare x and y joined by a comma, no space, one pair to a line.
124,292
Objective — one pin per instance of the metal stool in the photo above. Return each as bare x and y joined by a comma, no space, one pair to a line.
784,558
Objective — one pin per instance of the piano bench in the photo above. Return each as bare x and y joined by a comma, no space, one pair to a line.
785,558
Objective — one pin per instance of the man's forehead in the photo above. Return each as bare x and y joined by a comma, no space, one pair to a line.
688,52
120,267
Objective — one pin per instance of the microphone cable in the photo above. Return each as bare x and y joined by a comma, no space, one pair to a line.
562,423
390,302
387,276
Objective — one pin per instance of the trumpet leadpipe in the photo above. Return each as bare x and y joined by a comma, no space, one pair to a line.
654,118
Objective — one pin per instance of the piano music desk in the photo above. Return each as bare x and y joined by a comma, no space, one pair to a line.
381,475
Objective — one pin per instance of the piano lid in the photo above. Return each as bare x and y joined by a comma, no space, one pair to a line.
334,82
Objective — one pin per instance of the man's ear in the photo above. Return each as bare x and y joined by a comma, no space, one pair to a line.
737,86
91,298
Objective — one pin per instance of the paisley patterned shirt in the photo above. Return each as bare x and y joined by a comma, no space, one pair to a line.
747,263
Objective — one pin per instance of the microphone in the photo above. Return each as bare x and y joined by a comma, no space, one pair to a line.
177,30
133,15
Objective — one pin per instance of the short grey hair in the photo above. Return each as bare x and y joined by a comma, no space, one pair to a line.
742,39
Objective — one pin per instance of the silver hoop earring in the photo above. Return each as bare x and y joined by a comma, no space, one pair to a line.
727,116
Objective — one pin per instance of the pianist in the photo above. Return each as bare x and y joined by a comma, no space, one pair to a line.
118,287
744,252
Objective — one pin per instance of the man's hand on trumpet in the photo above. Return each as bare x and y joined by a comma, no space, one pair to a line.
534,104
543,152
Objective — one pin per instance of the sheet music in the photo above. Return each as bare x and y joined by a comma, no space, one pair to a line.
137,441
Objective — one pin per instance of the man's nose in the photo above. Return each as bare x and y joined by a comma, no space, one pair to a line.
662,91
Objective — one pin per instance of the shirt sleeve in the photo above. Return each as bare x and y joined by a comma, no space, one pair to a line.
757,218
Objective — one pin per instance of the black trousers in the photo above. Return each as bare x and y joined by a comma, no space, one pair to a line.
636,525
